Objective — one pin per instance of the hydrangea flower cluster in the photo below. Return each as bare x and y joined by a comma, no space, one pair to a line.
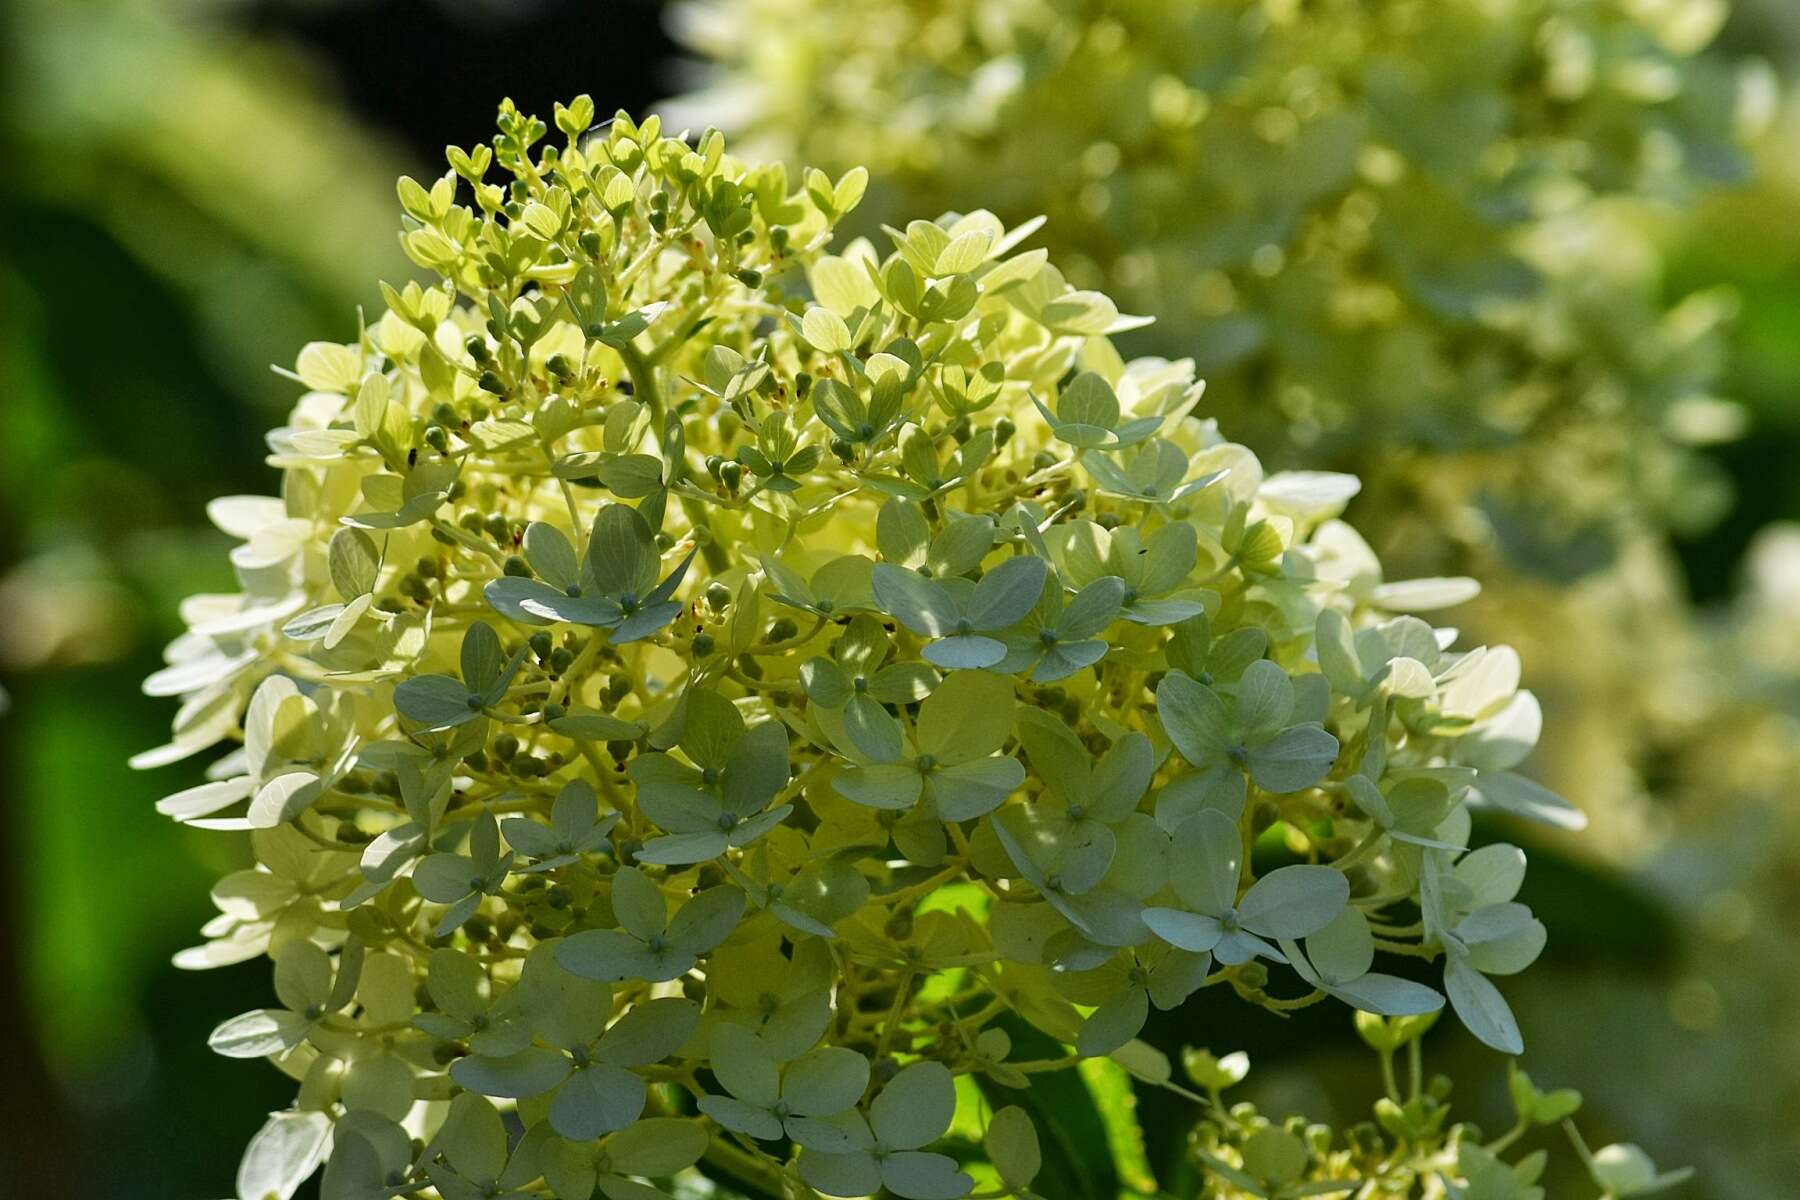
1411,224
697,692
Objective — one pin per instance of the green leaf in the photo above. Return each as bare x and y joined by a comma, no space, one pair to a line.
1077,1162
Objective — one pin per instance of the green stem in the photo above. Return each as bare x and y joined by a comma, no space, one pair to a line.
1388,1079
648,392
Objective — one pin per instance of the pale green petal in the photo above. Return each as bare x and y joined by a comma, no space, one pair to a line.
915,1107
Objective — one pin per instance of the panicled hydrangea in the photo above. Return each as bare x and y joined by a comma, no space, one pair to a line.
1408,226
696,692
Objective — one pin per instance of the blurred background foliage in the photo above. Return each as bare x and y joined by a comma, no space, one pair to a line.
1572,373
